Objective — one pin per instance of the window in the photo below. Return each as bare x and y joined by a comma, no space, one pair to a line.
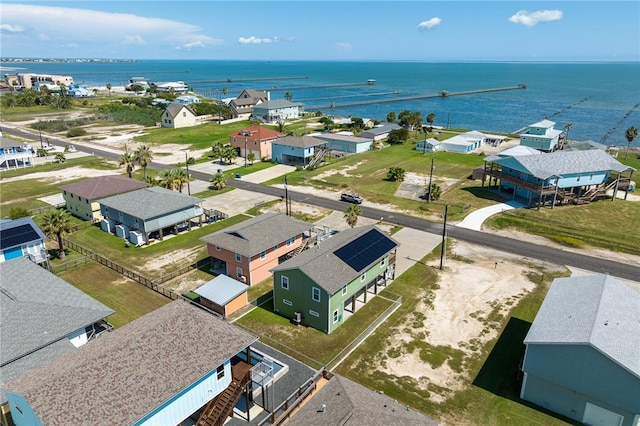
291,241
238,257
314,313
578,178
335,316
239,272
315,294
382,262
263,254
220,371
218,248
284,282
276,247
363,277
287,302
591,176
344,290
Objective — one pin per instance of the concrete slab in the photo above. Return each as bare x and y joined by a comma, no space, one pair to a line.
475,219
236,201
268,174
414,245
54,200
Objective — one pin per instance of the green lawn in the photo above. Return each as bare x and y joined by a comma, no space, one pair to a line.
136,258
309,342
603,224
490,394
129,299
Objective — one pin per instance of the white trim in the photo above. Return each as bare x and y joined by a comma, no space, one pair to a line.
315,290
314,313
287,302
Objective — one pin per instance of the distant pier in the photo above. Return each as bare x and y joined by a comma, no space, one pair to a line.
244,80
441,94
320,86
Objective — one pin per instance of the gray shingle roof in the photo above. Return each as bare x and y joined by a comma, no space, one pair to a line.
257,234
147,203
175,109
38,310
561,163
103,186
323,266
299,141
122,376
221,290
348,403
596,310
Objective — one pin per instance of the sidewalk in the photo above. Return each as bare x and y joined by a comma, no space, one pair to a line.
474,220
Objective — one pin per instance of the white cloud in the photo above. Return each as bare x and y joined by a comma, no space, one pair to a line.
82,26
266,40
11,28
343,46
429,23
533,18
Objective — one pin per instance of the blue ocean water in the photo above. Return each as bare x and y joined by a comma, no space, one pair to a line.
598,99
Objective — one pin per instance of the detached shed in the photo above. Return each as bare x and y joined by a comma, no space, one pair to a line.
223,295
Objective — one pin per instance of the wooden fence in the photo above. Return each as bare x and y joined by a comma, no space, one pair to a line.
154,285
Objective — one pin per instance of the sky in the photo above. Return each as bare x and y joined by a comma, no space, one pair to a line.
323,30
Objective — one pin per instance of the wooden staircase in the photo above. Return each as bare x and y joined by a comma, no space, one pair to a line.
218,409
317,157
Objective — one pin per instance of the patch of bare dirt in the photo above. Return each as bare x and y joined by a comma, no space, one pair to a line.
475,291
58,176
171,260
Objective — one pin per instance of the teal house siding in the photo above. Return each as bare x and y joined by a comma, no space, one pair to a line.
327,283
564,378
21,411
582,356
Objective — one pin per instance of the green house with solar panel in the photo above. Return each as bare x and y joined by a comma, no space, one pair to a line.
327,283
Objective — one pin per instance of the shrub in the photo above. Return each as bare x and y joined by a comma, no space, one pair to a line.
75,132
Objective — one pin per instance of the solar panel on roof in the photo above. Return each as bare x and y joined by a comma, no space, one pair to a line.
15,236
365,250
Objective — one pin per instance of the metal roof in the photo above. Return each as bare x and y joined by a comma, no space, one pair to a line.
596,310
560,163
147,203
127,373
221,290
257,234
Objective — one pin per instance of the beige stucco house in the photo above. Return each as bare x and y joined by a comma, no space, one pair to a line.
179,115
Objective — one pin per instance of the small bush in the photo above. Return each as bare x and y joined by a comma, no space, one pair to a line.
75,132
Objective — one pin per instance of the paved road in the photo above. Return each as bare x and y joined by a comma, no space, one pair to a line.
509,245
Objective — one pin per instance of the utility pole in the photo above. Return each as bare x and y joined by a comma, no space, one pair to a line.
444,237
186,163
430,180
286,196
245,151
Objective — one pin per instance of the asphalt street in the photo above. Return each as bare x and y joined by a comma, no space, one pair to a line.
504,244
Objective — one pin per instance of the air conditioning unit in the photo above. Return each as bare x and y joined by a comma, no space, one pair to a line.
297,318
243,279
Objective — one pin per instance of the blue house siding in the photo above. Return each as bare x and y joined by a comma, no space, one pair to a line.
563,378
283,154
21,411
189,400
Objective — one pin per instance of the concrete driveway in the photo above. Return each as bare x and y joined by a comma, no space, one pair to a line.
474,220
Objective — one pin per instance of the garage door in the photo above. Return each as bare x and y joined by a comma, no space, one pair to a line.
598,416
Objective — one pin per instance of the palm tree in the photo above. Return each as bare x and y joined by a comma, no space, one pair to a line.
167,179
109,88
60,158
280,126
180,178
229,153
218,181
143,156
351,214
431,118
567,127
631,133
288,96
57,223
217,150
127,161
